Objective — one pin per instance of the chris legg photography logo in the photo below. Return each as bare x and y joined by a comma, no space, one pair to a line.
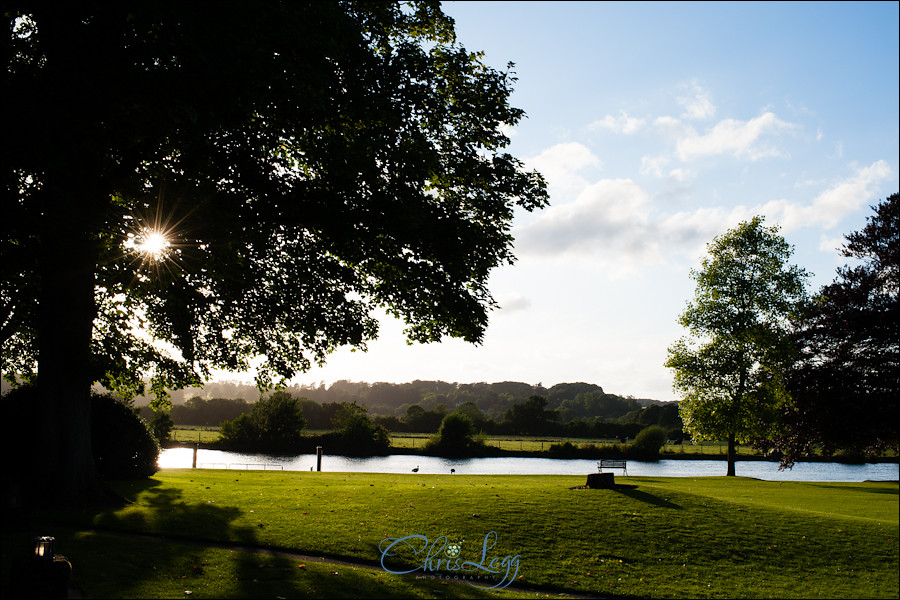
444,559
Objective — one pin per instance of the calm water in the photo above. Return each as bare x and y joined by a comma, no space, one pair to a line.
176,458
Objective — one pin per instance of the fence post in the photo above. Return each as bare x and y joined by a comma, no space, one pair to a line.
318,458
194,463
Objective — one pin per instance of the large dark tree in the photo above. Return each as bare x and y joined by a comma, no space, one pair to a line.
846,385
239,180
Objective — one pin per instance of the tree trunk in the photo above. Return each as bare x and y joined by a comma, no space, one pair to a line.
72,204
730,456
63,465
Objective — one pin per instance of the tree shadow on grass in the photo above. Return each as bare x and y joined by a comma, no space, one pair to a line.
163,546
646,497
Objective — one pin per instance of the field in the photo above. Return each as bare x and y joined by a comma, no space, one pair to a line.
204,435
651,537
195,434
543,443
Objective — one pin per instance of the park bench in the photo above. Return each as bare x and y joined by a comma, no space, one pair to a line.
612,463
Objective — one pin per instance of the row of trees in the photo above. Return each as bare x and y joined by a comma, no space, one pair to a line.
275,424
530,417
494,399
766,364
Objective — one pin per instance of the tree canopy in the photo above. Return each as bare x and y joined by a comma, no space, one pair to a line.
846,384
729,370
192,187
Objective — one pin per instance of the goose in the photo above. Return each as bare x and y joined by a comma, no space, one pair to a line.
416,470
452,471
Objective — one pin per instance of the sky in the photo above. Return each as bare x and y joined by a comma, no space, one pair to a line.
659,126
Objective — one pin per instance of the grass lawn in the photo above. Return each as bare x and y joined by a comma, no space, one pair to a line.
653,537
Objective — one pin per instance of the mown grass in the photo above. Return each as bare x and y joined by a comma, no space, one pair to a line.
653,537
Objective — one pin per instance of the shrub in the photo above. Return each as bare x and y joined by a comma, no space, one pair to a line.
124,447
648,442
564,450
241,430
122,443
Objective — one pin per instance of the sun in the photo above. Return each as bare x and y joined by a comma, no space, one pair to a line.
152,244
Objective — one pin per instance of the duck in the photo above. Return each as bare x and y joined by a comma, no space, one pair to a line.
416,470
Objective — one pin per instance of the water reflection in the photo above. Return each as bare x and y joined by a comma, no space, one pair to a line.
217,459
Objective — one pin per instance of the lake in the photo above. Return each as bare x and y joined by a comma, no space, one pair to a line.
179,458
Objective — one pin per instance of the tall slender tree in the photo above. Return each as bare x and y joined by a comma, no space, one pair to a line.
729,370
192,186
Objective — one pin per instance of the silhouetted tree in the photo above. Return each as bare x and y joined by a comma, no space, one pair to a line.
247,179
162,424
359,434
846,385
730,371
530,418
455,437
275,424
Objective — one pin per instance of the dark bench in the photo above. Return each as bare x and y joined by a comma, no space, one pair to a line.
612,463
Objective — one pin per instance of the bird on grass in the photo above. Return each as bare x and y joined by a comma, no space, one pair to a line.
452,471
416,470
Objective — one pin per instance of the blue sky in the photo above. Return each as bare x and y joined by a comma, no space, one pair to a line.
659,126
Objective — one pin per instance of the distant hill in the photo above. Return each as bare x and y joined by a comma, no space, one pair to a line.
394,398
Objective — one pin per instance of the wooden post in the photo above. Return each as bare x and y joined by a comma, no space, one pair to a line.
194,463
318,458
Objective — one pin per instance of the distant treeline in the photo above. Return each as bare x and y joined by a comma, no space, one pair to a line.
507,408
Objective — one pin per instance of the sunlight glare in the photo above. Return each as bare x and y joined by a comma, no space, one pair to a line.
153,244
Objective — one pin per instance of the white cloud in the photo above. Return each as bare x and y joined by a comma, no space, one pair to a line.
513,303
731,136
828,208
672,128
697,103
679,174
830,243
612,223
508,130
560,163
621,124
602,216
653,165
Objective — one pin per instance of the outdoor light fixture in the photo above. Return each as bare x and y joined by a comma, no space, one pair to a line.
43,547
42,574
